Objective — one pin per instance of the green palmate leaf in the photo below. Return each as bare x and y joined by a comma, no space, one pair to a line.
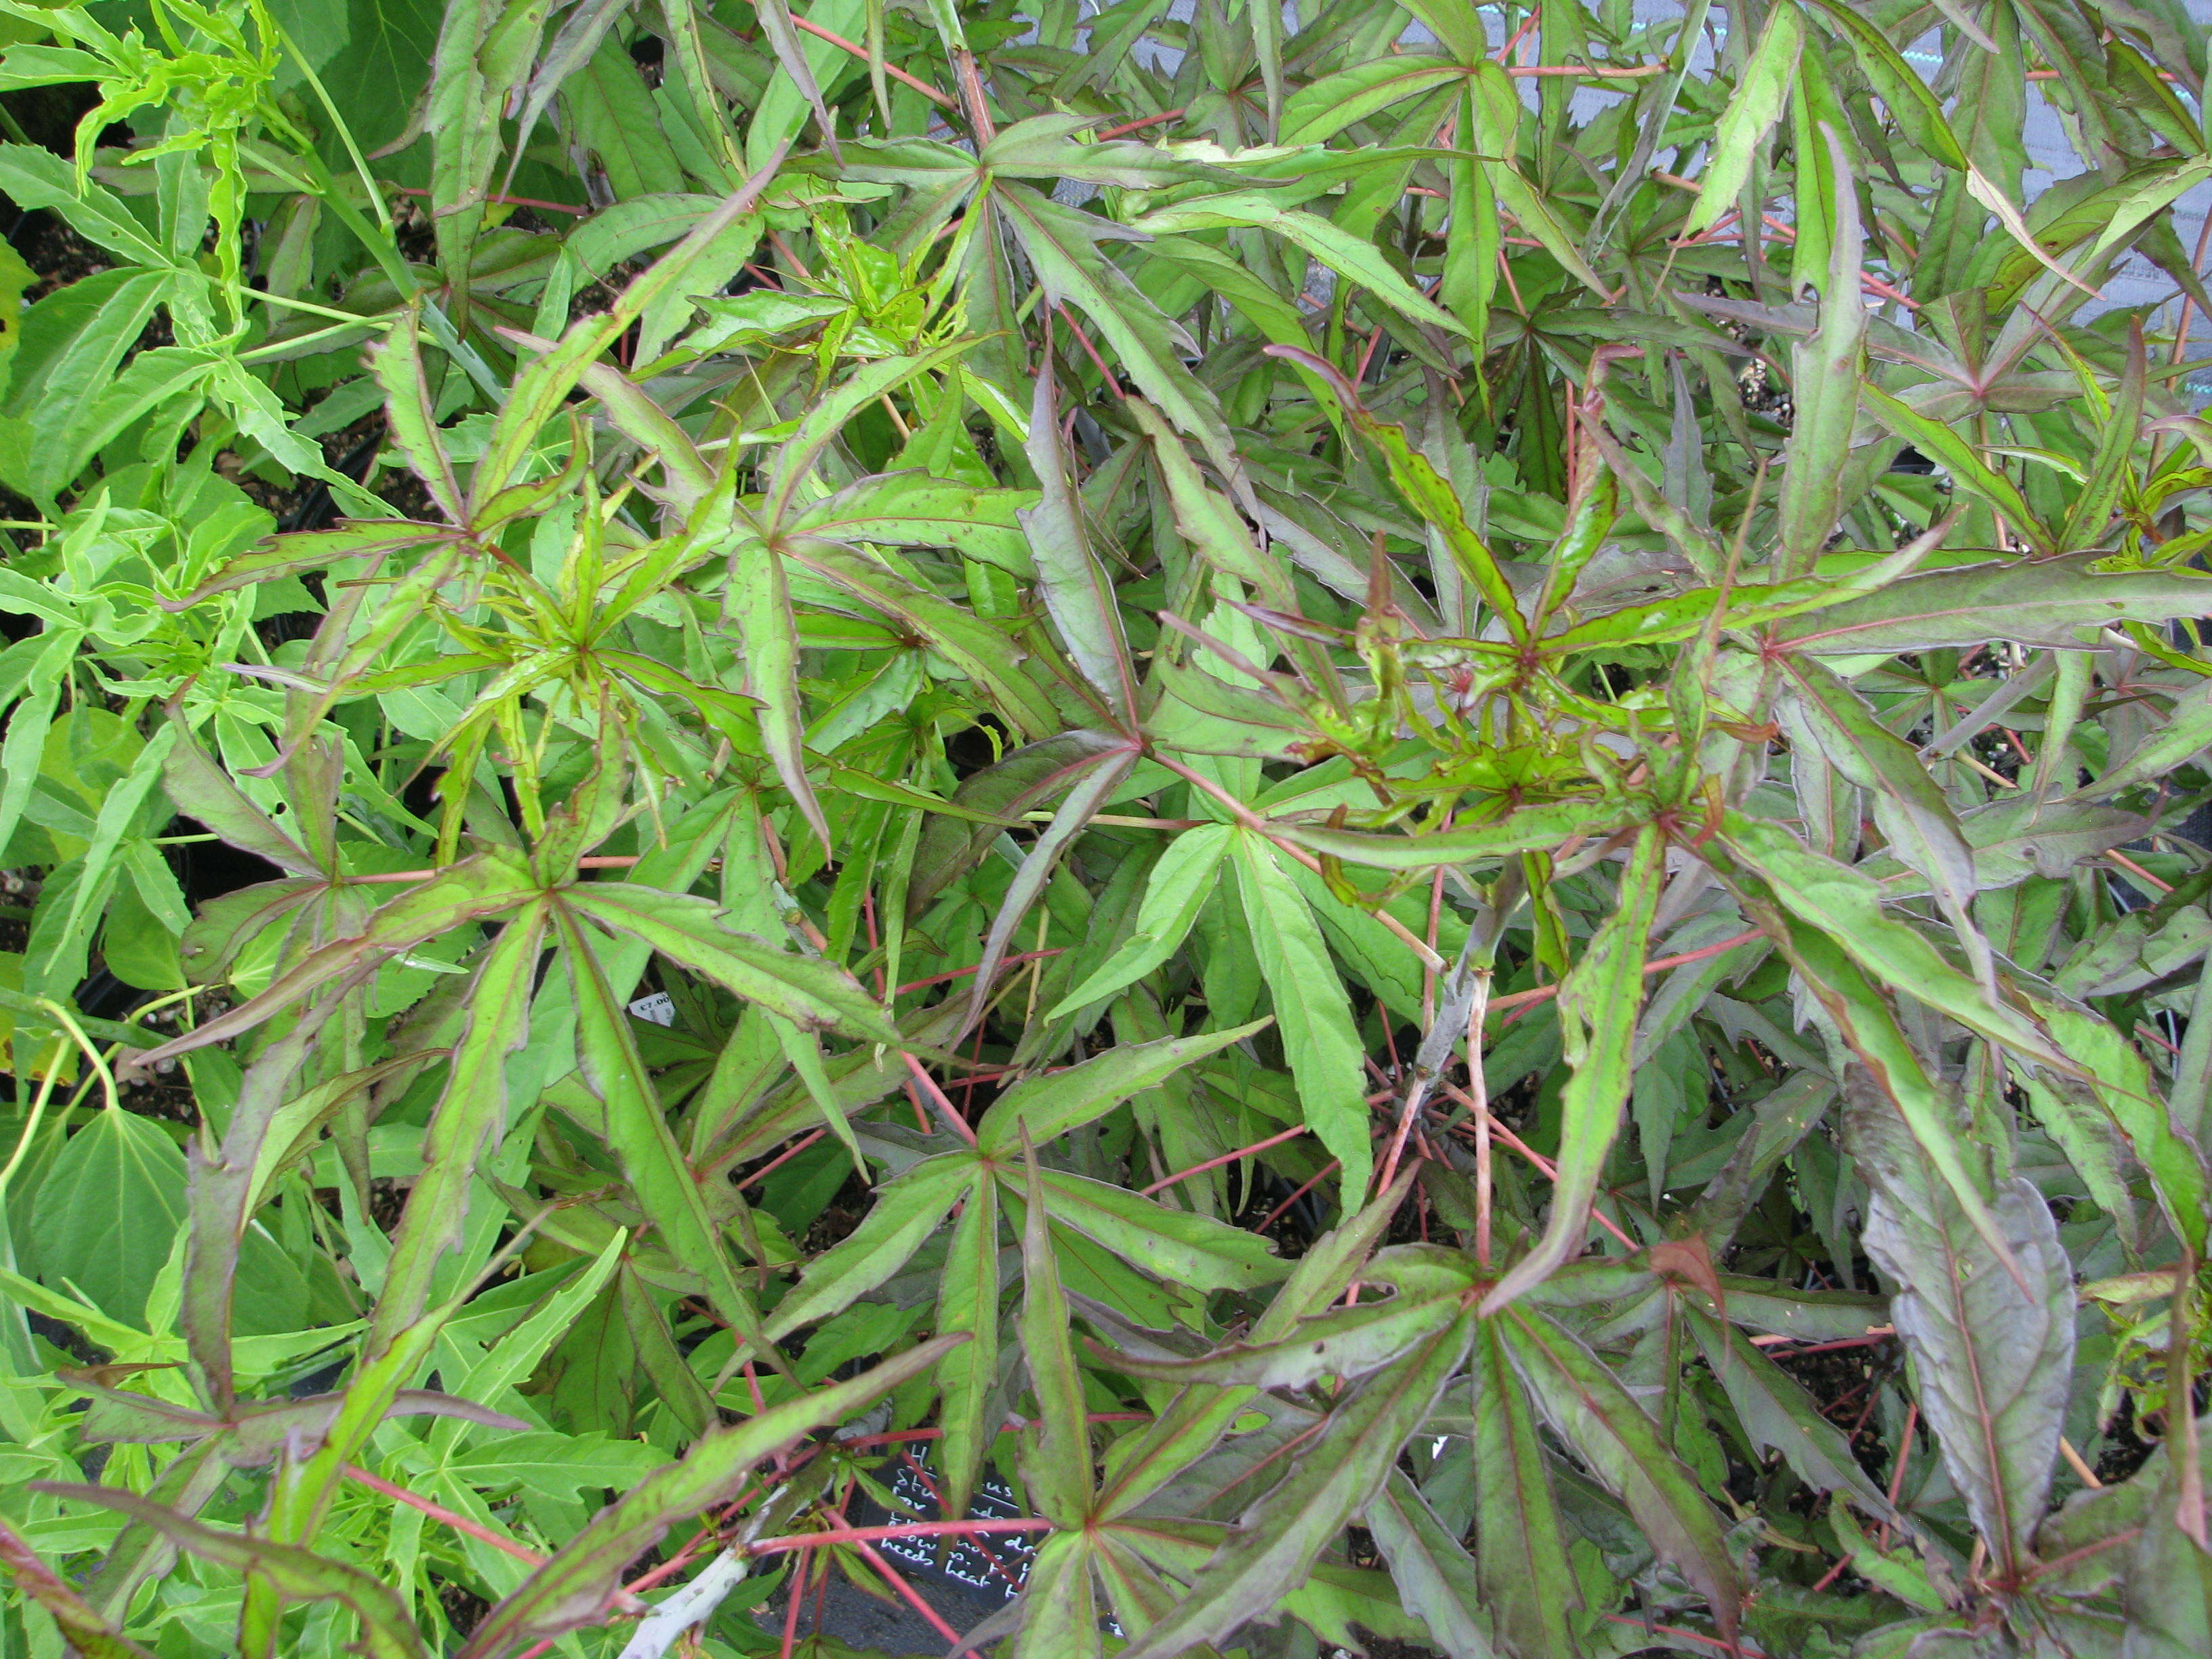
107,1213
1598,1003
1752,110
1497,115
1063,246
1870,1030
541,388
30,720
1348,256
1059,1610
912,509
1825,373
1895,1572
558,1465
224,1191
1046,1108
818,428
693,932
977,648
1351,1342
1180,884
40,178
2086,520
1310,1008
578,1585
1992,1339
2185,733
1429,494
1964,463
906,1211
1045,147
761,599
2121,1080
1175,1246
1326,106
798,59
386,1632
1141,1465
1214,527
1847,905
1910,806
412,416
471,1109
2094,1144
306,1487
638,1134
510,1360
314,550
484,53
484,885
1911,104
1257,301
120,807
60,451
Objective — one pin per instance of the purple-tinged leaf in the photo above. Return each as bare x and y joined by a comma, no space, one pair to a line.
1991,1340
1433,1571
1588,1407
477,888
968,1300
2041,602
294,1574
1028,778
1056,1456
85,1631
579,1585
1598,1002
1334,1479
1071,581
1777,1414
637,1133
1087,797
471,1109
411,412
1519,1539
693,933
1527,829
1825,373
